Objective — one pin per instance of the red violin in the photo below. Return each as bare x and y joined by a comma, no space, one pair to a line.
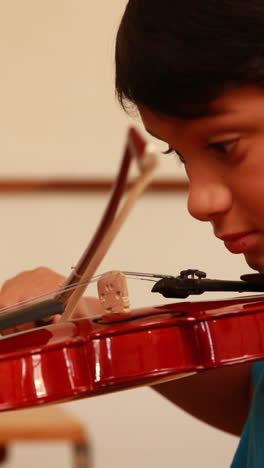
124,349
82,358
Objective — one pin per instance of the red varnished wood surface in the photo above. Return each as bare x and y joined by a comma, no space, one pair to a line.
86,358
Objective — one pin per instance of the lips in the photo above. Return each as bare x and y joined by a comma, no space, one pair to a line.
239,242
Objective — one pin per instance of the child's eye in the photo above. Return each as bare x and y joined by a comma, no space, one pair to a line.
171,150
223,147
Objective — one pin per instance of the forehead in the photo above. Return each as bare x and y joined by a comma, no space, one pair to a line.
241,105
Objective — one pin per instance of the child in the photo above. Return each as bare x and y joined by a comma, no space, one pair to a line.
195,72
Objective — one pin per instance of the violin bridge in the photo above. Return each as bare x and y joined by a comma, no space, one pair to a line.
113,292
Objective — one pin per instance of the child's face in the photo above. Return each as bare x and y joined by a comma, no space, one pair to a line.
223,154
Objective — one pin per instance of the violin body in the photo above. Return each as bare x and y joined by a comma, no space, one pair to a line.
88,357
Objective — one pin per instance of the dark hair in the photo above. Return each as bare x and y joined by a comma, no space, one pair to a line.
176,56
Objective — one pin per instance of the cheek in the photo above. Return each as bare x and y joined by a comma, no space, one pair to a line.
247,180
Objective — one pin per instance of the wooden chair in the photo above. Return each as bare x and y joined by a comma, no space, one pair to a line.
48,423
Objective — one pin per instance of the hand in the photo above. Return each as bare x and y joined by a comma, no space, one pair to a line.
33,283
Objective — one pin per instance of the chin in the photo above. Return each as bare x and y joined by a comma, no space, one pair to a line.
256,263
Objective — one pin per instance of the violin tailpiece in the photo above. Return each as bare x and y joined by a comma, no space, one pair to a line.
113,292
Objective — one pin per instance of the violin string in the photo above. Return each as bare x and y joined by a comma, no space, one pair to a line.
129,274
145,275
47,294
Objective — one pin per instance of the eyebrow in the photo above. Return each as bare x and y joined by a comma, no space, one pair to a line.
199,116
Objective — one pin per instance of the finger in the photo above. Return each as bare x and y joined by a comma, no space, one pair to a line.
56,318
20,328
9,331
88,307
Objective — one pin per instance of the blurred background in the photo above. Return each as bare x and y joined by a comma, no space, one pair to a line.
59,118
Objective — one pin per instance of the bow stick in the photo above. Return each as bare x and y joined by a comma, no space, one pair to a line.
114,217
66,299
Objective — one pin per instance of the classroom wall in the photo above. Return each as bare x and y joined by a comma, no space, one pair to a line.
59,117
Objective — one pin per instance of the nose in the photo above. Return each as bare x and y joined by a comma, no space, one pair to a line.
208,201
